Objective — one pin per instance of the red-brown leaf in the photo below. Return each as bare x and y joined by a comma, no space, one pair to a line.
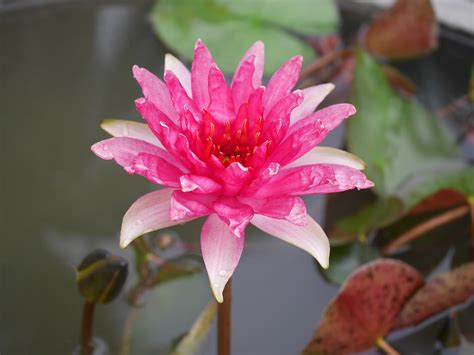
365,307
444,291
442,199
406,30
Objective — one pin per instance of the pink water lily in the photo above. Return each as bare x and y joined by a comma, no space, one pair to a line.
240,154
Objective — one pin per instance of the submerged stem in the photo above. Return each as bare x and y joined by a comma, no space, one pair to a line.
424,227
223,321
382,344
86,328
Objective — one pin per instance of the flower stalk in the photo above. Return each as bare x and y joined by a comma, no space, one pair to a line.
86,328
223,321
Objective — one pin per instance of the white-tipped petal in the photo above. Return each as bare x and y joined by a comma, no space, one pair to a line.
313,96
329,155
147,214
221,251
179,69
309,237
131,129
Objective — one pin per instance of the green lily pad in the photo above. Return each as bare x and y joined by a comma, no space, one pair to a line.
345,259
403,144
228,27
376,215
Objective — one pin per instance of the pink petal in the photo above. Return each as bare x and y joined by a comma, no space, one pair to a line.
298,142
313,96
157,121
130,129
234,213
332,116
234,177
281,83
257,54
242,86
291,208
179,69
278,119
181,99
328,155
221,105
157,170
199,184
308,132
125,150
259,156
169,135
155,91
202,63
190,205
255,107
338,178
309,237
308,179
221,251
147,214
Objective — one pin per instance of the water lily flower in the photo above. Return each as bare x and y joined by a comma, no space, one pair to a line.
238,154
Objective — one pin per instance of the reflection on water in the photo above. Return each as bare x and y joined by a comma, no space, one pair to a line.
66,68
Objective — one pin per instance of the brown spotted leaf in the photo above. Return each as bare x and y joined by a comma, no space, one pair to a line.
365,307
444,291
406,30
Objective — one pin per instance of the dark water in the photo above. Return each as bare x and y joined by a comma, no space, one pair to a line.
63,69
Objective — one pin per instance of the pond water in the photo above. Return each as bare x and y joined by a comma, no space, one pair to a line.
65,68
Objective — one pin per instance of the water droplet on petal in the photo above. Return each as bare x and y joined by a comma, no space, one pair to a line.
222,273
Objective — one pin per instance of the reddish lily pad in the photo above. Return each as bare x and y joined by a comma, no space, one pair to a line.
406,30
442,199
365,307
444,291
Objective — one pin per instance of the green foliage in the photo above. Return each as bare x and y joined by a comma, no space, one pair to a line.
376,215
402,143
345,259
229,27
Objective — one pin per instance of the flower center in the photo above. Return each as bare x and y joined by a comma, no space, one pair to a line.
231,142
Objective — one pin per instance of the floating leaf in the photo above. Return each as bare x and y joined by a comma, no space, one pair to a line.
407,29
229,27
445,290
365,307
191,341
402,143
461,181
345,259
376,215
442,199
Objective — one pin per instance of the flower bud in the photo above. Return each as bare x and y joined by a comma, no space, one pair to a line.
101,276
